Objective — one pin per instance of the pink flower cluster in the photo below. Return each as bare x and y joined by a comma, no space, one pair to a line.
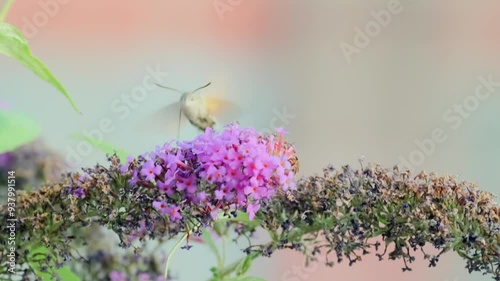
238,168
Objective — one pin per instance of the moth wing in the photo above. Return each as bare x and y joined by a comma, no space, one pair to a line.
223,110
164,121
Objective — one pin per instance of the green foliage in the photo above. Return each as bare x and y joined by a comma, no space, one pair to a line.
239,268
243,218
207,238
105,147
5,9
14,45
64,273
246,263
17,130
170,255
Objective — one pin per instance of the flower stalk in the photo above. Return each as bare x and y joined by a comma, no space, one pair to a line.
340,215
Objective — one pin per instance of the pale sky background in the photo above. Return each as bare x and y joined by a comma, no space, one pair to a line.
266,57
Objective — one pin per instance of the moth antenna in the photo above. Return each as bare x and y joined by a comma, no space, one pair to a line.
202,87
168,88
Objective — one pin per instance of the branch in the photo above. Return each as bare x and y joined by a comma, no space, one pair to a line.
341,211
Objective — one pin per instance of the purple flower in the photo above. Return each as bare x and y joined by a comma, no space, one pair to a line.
184,171
201,197
188,184
170,210
118,276
173,213
253,166
84,177
209,174
251,210
172,160
250,190
190,156
141,232
220,173
219,152
170,177
287,182
124,168
150,170
5,159
161,206
235,168
79,192
166,188
143,277
219,194
281,130
135,177
240,200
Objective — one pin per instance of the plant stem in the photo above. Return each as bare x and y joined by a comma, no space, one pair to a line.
224,245
169,257
5,9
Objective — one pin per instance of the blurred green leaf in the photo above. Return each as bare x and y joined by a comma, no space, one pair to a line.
243,218
64,272
14,45
16,130
104,146
247,263
221,228
5,9
232,267
207,238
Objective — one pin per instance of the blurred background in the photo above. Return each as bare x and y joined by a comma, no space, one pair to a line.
346,78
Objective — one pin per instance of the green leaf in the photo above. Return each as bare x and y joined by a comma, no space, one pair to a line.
382,217
220,228
215,274
232,267
207,238
247,263
377,233
104,147
16,130
14,45
64,272
295,233
5,9
243,218
274,235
